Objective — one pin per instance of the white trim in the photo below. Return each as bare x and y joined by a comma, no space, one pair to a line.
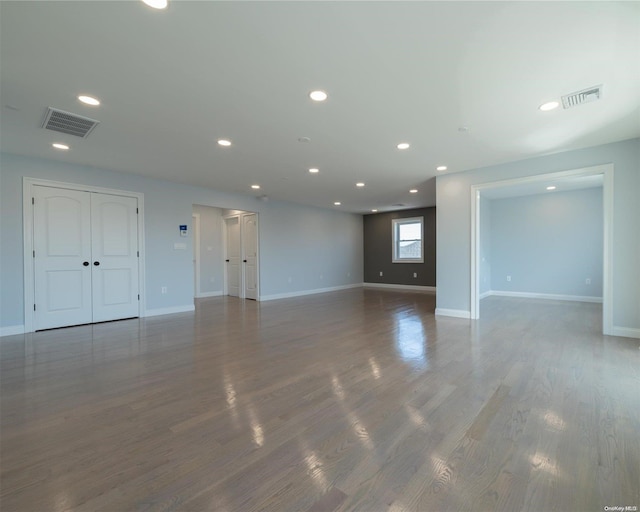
301,293
169,311
410,287
485,294
196,252
204,295
27,216
11,330
544,296
456,313
626,332
608,248
394,230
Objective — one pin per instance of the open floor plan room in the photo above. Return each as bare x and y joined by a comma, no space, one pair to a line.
361,399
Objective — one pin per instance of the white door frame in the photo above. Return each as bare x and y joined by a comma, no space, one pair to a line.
196,253
27,224
607,192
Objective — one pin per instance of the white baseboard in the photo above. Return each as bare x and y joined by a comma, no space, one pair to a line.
485,294
11,330
547,296
204,295
626,332
409,287
169,311
456,313
301,293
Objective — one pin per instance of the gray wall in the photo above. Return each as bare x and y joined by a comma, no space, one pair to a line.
548,243
295,241
378,246
211,250
454,218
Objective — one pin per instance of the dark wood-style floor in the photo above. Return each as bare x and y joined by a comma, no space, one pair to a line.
355,400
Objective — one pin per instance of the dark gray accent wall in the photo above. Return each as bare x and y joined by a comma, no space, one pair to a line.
378,246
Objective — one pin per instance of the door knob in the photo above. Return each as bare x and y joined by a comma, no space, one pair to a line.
96,263
85,263
244,261
227,261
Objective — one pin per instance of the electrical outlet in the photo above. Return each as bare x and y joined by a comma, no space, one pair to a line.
380,274
163,290
321,276
290,279
508,278
587,280
415,274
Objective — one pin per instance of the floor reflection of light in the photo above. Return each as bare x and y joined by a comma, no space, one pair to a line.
62,501
231,398
360,430
415,416
315,471
258,434
375,369
337,387
544,463
410,338
554,421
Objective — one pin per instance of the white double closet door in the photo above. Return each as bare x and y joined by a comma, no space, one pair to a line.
85,257
242,255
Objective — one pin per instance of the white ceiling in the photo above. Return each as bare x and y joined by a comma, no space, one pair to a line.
172,82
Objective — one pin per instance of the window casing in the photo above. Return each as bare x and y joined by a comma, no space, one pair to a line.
408,240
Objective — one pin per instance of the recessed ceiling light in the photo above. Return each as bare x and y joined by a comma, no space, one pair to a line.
224,142
413,191
374,210
403,145
337,203
360,184
551,187
57,145
255,186
313,170
156,4
89,100
550,105
441,168
318,95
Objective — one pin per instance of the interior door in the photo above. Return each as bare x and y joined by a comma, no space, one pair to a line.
250,259
233,256
62,257
114,252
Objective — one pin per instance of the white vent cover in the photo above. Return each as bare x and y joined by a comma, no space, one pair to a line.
585,96
66,122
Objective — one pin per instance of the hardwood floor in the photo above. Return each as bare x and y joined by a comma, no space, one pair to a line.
354,400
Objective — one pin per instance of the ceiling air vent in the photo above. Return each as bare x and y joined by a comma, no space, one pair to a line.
585,96
66,122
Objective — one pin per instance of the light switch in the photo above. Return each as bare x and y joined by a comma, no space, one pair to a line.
180,247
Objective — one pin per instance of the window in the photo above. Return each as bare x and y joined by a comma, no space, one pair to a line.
407,240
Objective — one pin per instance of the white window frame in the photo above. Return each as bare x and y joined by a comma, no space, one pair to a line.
395,225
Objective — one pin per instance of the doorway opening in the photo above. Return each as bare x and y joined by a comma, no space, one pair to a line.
225,252
521,186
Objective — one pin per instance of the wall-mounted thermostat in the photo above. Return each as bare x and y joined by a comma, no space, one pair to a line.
183,230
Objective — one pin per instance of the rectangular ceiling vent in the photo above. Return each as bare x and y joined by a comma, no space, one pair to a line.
66,122
581,97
